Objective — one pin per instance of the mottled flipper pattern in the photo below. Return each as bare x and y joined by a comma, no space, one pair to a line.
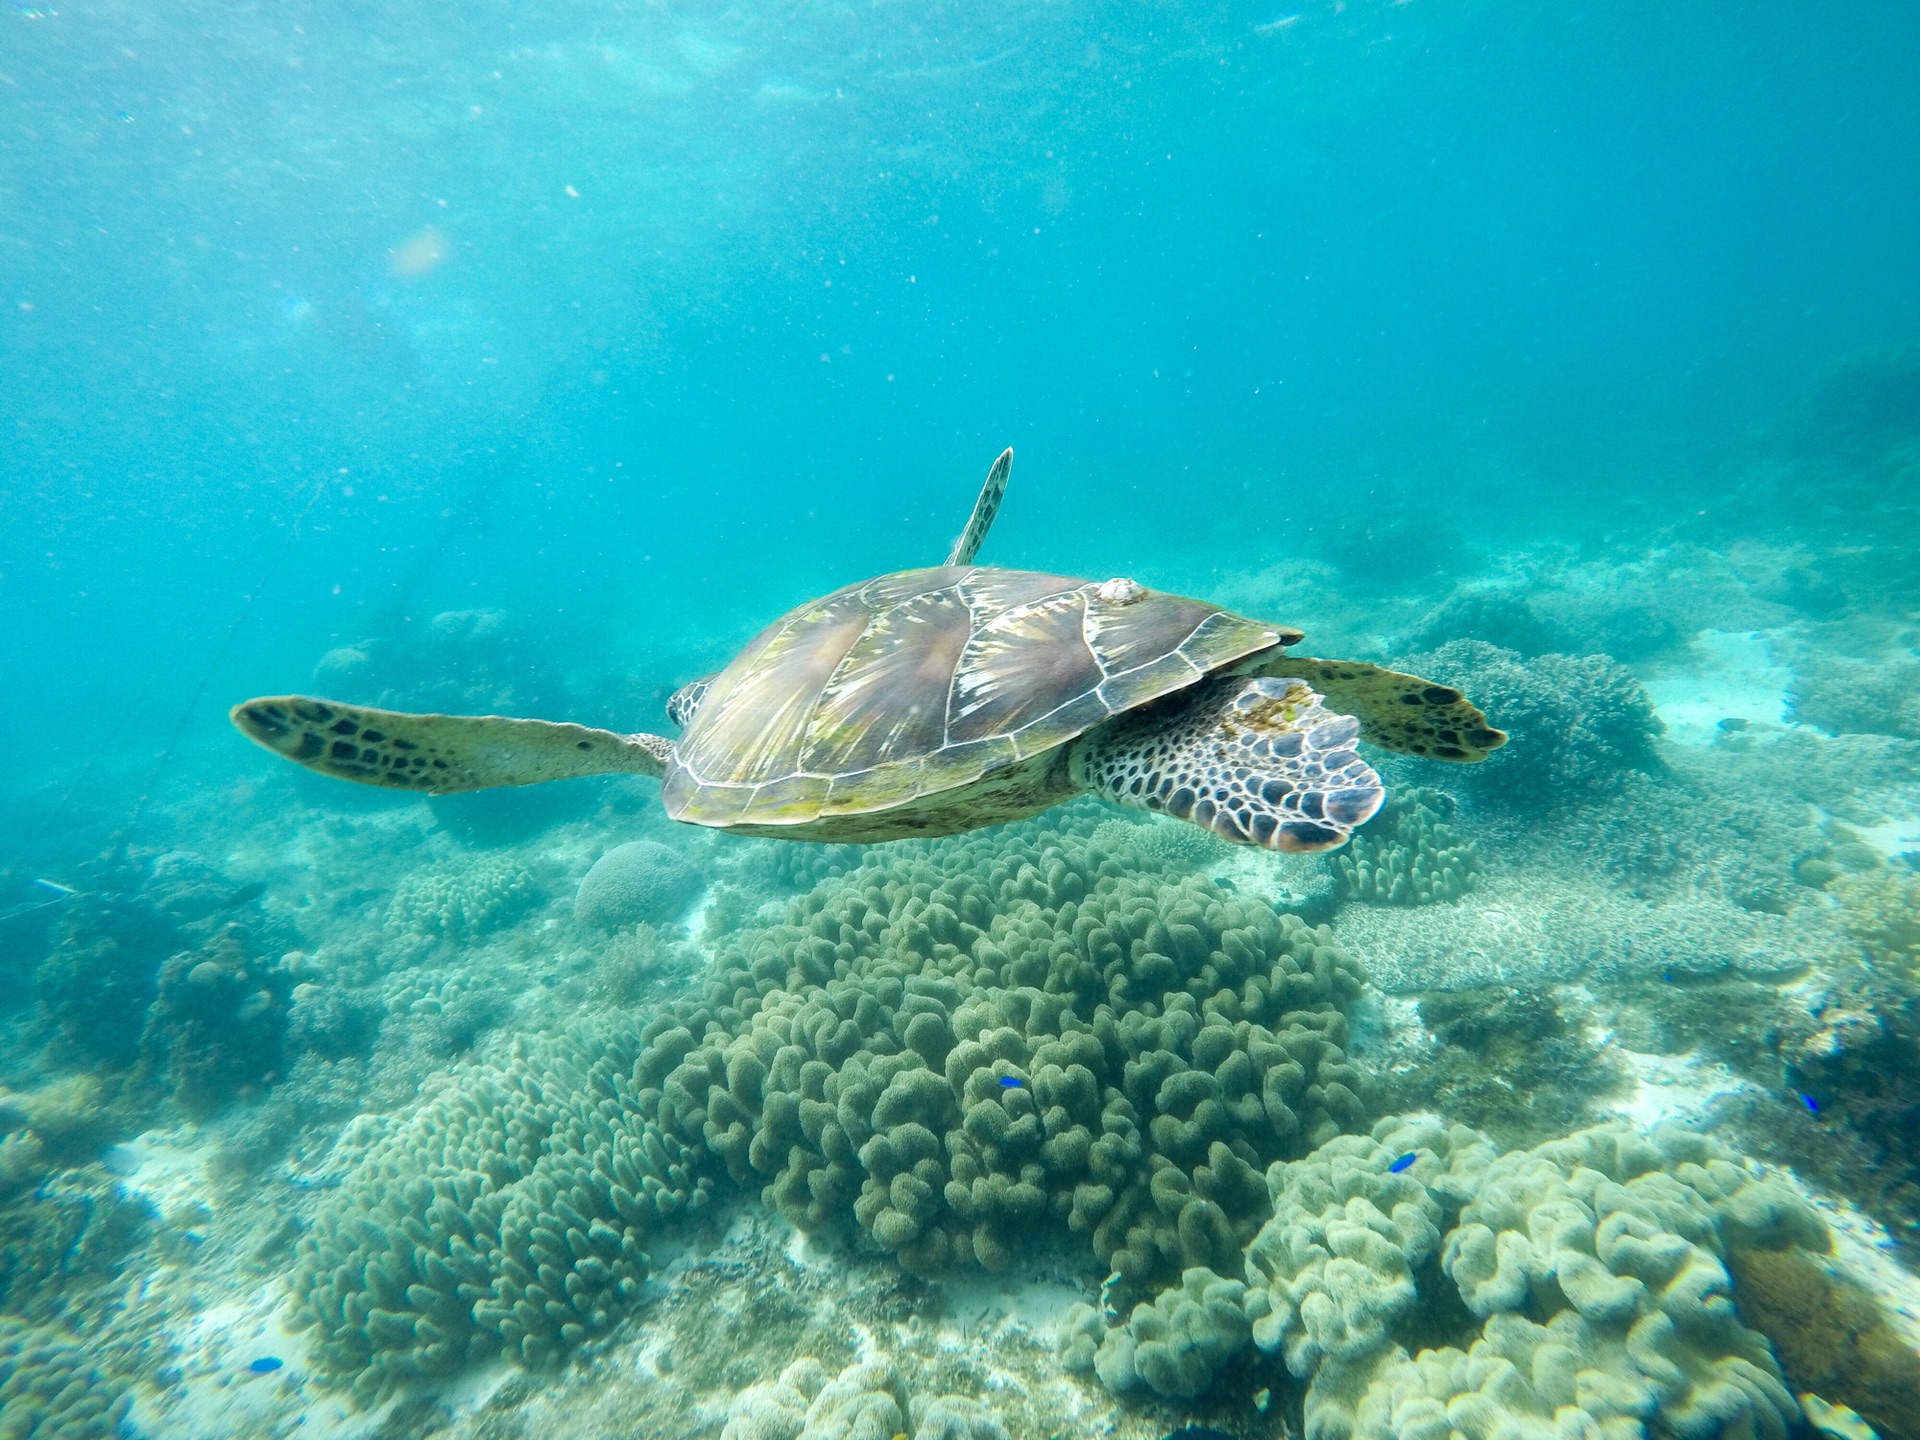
439,754
1257,761
984,509
684,701
1395,711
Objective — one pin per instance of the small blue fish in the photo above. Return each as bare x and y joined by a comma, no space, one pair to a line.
1405,1162
265,1365
1813,1105
1008,1082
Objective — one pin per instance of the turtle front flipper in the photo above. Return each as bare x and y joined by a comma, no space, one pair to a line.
984,509
684,701
1395,711
1258,761
440,754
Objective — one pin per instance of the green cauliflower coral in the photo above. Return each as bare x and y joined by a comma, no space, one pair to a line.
957,1045
49,1390
963,1041
463,901
1333,1269
1409,854
509,1212
1176,1344
1881,910
1594,1263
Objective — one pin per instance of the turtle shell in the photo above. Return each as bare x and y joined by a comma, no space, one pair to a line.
926,681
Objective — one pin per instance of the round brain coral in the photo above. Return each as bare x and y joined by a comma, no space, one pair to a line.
641,882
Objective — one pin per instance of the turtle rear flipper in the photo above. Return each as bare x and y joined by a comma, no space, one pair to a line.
1395,711
1257,761
440,754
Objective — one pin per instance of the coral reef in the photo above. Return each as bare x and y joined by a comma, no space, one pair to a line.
1408,854
329,1020
1501,617
509,1211
1507,1061
867,1401
459,662
49,1390
1081,1331
1881,910
1858,1062
1177,1342
639,883
23,1161
1333,1269
958,1045
775,1409
1739,820
904,1058
1579,724
1514,930
444,1011
1591,1268
465,900
68,1120
1842,695
62,1243
1618,1239
1831,1336
1635,607
630,961
103,972
218,1024
1162,844
1544,927
956,1417
782,865
1388,550
1688,940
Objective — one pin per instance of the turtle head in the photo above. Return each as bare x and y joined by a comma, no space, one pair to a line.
684,701
1258,761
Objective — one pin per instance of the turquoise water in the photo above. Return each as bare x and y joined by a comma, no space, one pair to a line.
529,360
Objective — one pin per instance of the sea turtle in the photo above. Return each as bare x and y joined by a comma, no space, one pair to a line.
938,700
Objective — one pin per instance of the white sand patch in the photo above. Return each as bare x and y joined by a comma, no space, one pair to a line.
220,1394
165,1168
1676,1088
1288,881
219,1344
695,920
806,1252
1892,838
982,1306
988,1317
1731,675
